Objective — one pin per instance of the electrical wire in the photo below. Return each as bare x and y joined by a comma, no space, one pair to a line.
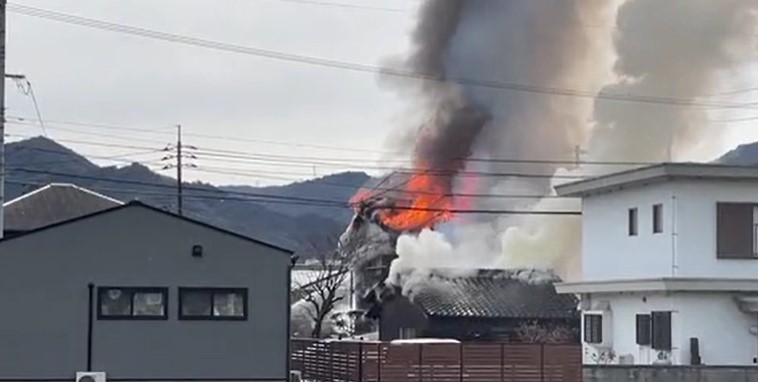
263,198
356,67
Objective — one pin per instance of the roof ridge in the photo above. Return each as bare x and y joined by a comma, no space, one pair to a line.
28,194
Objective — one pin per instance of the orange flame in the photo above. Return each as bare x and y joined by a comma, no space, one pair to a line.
424,202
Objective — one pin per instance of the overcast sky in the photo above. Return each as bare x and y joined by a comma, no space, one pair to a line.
92,76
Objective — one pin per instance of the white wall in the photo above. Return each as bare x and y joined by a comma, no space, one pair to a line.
687,245
723,330
696,222
608,252
624,309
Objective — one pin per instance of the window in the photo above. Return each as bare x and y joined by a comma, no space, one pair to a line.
736,229
132,303
632,222
657,218
407,333
643,329
593,328
661,329
212,304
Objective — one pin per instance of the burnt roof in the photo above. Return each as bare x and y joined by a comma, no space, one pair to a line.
492,294
53,203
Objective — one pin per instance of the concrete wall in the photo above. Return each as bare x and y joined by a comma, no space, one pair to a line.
724,332
687,245
669,374
44,295
622,326
696,222
608,252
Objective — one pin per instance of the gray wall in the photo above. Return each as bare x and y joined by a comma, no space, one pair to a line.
44,297
669,374
398,313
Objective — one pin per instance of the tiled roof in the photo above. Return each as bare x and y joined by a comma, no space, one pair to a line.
492,295
52,204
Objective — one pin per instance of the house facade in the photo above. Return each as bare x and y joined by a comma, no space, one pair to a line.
140,293
486,305
669,265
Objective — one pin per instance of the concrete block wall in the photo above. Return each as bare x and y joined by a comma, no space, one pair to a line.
670,374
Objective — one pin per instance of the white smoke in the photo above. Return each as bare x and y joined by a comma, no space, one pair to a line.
679,49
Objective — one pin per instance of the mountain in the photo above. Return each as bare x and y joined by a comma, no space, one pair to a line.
745,155
290,223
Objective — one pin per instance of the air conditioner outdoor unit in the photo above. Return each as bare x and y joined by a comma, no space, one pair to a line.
90,376
296,376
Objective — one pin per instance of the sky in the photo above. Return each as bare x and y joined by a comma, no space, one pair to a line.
273,121
91,76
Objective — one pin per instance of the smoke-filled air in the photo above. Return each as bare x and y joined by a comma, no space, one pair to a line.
528,87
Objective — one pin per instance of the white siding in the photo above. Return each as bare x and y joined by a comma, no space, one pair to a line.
724,332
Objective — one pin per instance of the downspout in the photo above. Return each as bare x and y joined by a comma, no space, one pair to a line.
288,349
674,236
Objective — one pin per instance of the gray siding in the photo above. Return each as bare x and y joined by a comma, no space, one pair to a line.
44,295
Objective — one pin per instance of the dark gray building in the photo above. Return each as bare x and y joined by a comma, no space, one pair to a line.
488,305
140,293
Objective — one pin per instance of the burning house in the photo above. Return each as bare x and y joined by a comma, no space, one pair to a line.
494,90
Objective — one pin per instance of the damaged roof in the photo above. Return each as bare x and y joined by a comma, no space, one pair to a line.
52,204
493,295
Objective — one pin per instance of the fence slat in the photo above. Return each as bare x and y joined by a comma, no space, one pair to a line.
347,361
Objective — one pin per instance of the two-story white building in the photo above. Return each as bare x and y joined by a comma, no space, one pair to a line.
669,265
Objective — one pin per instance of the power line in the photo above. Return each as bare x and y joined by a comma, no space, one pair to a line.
284,199
356,67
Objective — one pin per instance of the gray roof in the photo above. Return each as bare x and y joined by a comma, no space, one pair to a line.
657,173
53,204
493,294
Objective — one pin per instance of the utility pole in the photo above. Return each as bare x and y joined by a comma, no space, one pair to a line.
3,4
179,187
179,167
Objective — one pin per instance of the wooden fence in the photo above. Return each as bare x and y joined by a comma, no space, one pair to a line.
339,361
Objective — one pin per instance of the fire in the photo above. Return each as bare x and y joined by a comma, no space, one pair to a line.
422,201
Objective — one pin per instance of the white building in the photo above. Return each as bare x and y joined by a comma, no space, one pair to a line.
669,265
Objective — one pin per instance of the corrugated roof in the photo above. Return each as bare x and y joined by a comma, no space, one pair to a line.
53,204
488,295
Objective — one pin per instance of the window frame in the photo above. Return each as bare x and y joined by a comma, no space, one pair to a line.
633,221
657,218
588,335
132,290
213,291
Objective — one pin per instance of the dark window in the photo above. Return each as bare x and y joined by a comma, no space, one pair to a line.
661,328
132,303
657,218
632,222
212,303
735,231
593,328
643,329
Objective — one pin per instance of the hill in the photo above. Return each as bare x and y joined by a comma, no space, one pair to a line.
745,155
38,161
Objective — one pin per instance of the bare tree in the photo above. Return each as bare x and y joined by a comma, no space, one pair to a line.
325,288
533,332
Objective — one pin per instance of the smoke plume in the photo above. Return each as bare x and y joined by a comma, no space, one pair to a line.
678,49
536,42
674,49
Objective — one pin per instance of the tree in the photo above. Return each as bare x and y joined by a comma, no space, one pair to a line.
325,288
533,332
